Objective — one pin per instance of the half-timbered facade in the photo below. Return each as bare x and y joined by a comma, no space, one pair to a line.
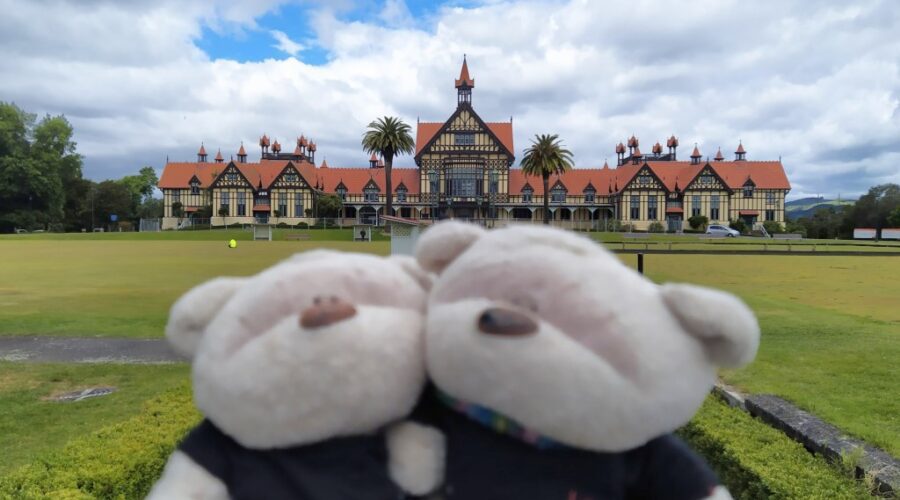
465,169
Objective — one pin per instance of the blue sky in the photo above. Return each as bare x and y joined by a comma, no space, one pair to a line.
818,88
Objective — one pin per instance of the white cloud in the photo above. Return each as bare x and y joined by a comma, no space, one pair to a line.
285,44
818,87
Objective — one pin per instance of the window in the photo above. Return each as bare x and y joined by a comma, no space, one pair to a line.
558,194
770,215
195,187
342,192
231,176
291,177
748,191
695,205
635,207
589,195
433,181
226,201
176,196
651,208
298,205
493,184
371,194
714,207
282,207
565,214
527,195
465,139
770,198
242,204
401,194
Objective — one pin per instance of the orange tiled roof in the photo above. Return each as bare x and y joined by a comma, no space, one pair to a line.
503,130
464,78
355,179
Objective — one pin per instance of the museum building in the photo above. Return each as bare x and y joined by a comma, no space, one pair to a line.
465,169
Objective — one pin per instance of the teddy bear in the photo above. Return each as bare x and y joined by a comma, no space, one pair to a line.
561,373
304,374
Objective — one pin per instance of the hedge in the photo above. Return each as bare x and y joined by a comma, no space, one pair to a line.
757,461
118,461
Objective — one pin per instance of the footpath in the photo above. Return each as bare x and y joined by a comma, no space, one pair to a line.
87,350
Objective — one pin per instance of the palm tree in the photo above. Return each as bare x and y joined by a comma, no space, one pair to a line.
545,157
387,137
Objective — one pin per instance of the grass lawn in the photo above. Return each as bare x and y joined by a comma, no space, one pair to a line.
31,426
222,235
831,332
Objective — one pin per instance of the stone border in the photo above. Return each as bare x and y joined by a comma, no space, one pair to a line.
819,437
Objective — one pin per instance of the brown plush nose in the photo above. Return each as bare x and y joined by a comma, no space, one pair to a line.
499,321
326,312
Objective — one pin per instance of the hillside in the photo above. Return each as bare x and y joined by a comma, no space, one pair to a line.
805,207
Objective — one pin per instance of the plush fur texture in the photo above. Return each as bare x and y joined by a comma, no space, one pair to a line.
268,381
416,456
613,359
184,479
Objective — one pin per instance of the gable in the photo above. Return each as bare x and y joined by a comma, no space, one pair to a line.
466,132
706,179
290,177
645,178
231,176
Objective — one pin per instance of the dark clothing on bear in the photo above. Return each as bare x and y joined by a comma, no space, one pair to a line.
483,464
337,469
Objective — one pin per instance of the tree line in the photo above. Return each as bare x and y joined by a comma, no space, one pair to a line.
41,183
879,208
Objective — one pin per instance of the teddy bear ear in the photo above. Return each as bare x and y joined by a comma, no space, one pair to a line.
723,323
412,268
194,310
444,242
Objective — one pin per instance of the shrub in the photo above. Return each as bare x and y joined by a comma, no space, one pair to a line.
118,461
796,228
773,227
738,225
656,227
626,228
302,225
282,225
757,461
698,222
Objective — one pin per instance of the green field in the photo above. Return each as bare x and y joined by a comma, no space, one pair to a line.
831,325
30,425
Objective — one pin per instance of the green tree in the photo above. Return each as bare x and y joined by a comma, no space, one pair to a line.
894,218
698,222
873,208
546,156
388,136
141,186
112,198
54,149
178,209
329,205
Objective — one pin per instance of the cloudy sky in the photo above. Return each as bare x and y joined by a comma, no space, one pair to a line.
814,83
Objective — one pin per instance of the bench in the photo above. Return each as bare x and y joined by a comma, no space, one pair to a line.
787,236
297,236
636,235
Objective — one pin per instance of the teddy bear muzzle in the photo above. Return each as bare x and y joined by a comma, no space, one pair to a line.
506,322
326,312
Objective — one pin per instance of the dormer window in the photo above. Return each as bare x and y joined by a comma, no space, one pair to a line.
291,177
527,194
558,194
590,195
465,139
195,187
231,176
371,194
401,194
341,192
748,190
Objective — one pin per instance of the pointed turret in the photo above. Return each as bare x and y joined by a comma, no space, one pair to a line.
672,144
464,85
719,156
657,149
695,155
219,158
276,148
740,154
242,154
201,154
373,161
324,164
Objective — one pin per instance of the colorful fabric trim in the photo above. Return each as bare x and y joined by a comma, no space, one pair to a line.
498,423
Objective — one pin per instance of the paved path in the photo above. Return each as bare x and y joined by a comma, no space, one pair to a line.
87,350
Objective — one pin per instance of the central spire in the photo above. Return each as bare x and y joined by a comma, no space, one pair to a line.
464,85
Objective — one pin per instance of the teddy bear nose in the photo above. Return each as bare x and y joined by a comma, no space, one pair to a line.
326,312
499,321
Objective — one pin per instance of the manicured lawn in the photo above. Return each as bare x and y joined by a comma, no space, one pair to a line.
222,235
831,332
31,425
122,288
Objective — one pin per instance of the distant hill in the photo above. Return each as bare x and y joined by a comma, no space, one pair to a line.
805,207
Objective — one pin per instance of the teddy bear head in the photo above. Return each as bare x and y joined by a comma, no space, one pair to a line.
548,328
323,344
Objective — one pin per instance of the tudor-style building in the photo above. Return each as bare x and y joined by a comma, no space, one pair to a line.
465,170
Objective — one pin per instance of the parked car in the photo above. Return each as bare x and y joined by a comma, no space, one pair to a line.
716,229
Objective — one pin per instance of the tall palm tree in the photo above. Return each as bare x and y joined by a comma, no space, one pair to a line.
546,156
387,137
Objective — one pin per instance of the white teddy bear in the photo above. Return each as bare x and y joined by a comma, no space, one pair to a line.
561,372
296,370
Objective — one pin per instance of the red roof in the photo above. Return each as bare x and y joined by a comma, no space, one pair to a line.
672,142
674,210
241,151
748,212
355,179
696,153
740,148
219,155
261,208
202,151
425,131
719,156
464,78
657,148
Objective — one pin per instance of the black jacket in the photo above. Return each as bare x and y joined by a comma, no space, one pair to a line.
337,469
